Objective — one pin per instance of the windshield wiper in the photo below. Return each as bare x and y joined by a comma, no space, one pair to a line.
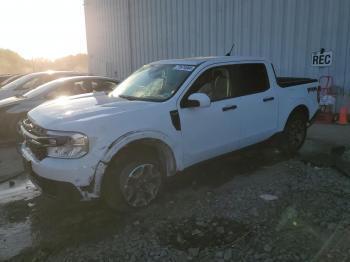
20,96
131,98
145,98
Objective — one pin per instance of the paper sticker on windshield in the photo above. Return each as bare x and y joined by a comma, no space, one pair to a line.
187,68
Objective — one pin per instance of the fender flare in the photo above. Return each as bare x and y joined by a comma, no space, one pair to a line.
172,156
295,109
289,107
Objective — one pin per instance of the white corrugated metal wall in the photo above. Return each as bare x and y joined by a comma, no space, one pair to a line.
122,35
108,37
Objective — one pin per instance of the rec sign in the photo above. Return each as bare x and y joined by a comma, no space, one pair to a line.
322,59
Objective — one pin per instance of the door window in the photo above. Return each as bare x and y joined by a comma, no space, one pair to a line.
71,88
215,83
248,79
33,83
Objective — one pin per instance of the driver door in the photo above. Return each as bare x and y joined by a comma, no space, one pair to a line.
214,130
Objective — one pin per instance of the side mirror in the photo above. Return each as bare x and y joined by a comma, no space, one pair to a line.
198,100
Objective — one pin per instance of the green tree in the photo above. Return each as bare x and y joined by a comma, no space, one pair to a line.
13,63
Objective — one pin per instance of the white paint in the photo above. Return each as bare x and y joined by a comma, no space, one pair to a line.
207,131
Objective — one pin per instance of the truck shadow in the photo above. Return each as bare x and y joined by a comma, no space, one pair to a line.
216,172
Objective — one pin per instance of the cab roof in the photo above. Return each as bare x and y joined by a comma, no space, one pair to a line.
211,59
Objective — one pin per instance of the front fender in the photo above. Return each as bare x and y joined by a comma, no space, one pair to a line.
128,138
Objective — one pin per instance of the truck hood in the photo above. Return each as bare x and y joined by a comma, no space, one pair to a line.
73,111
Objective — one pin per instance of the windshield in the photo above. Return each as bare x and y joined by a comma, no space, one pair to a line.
156,82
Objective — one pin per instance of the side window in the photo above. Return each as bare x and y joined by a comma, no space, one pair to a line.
221,84
215,83
249,79
203,84
71,89
33,83
83,87
103,86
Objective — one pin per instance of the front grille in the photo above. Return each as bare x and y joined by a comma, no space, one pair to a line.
39,151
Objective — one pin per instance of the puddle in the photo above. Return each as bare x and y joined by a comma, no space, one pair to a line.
201,234
16,226
31,223
16,189
14,238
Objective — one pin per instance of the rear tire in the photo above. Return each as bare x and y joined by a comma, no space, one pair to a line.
294,133
133,180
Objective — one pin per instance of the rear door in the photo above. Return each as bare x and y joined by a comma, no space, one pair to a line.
259,107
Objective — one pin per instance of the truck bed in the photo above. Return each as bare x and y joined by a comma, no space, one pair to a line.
293,81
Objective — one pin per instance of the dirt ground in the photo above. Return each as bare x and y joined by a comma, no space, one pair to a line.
255,205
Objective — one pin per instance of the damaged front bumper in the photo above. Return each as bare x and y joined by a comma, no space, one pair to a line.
56,189
62,177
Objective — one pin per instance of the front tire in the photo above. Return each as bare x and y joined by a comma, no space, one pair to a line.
294,134
133,180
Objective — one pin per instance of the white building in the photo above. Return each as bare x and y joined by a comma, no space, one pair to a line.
122,35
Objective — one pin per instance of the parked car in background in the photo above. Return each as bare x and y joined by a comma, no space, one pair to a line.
9,80
28,82
4,77
14,109
167,116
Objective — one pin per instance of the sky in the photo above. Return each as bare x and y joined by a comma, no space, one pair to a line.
43,28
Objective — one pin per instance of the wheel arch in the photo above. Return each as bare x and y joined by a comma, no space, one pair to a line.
163,152
136,141
300,109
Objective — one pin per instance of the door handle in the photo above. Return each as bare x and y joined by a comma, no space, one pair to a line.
226,108
267,99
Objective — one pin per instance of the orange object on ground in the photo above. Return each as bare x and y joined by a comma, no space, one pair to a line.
343,116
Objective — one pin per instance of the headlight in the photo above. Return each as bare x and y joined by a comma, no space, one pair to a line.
67,145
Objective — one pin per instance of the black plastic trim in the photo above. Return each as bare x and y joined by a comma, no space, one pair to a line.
267,99
175,119
227,108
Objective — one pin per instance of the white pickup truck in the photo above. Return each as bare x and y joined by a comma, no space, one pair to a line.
165,117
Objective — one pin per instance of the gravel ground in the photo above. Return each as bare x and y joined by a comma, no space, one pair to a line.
253,206
10,163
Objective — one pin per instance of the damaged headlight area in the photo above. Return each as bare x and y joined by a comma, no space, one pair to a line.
67,145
